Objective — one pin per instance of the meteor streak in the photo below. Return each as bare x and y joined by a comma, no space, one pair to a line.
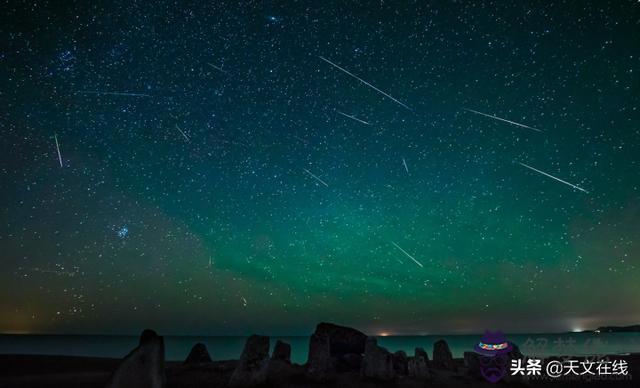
315,177
354,118
406,253
552,177
501,119
113,93
58,148
182,132
218,68
365,82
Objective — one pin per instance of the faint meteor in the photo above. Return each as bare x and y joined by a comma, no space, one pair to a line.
552,177
182,132
406,253
501,119
365,82
404,163
55,136
315,177
113,93
244,301
353,118
218,68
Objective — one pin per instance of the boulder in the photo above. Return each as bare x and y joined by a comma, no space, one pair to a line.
281,372
254,361
420,352
281,351
442,357
198,355
377,362
515,352
418,365
400,362
143,367
320,364
342,340
472,362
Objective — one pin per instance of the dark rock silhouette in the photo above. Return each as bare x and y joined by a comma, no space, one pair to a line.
198,355
253,364
442,357
472,362
377,362
342,340
515,352
418,365
350,362
320,364
400,362
280,372
281,351
143,367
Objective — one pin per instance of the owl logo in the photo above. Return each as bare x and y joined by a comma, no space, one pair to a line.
494,350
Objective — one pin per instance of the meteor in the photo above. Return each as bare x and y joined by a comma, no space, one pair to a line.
552,177
501,119
365,82
182,132
58,148
354,118
404,162
315,177
218,68
408,255
113,93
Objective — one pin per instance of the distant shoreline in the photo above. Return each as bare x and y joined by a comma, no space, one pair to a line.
601,329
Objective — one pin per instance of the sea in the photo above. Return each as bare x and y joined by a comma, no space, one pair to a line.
225,348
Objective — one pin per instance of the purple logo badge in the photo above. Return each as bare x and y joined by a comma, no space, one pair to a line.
493,349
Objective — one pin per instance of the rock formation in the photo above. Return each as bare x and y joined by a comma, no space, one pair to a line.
377,362
400,362
442,357
143,367
198,355
350,362
472,362
515,352
342,340
253,364
418,365
281,352
320,364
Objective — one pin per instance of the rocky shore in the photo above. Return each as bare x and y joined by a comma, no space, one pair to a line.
338,357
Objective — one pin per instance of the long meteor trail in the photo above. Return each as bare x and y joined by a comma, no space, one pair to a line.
113,93
353,118
552,177
365,82
315,177
55,136
501,119
406,253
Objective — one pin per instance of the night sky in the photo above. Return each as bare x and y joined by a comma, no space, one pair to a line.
221,172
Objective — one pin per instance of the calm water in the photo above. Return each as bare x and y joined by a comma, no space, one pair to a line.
221,348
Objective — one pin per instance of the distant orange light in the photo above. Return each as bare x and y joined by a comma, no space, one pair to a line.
384,334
